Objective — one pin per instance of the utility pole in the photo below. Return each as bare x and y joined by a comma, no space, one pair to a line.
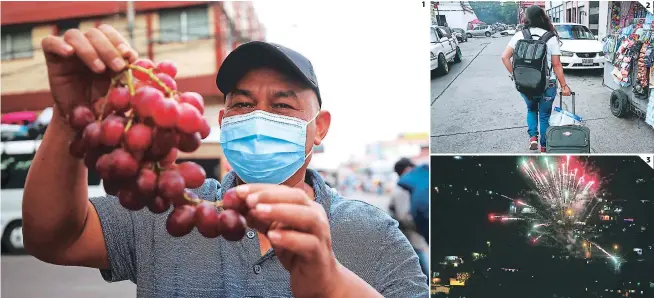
130,21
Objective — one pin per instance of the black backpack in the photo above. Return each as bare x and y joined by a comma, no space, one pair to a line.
531,71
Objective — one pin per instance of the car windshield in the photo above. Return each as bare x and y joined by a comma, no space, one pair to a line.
457,30
574,32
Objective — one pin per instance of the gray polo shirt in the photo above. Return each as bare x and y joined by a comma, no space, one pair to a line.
365,240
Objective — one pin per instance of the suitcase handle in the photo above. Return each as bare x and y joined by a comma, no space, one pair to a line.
573,101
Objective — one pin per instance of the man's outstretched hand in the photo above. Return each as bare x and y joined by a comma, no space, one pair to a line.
298,230
80,64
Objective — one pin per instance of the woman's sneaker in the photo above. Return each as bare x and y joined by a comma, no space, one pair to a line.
543,150
533,143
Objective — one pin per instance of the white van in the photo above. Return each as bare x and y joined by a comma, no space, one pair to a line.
16,159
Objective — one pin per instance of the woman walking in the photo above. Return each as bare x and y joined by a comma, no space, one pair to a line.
539,107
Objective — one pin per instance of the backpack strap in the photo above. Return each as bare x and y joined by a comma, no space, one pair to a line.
526,34
546,37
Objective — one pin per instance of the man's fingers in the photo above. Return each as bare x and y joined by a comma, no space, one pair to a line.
297,217
106,49
84,50
305,245
277,195
56,45
119,42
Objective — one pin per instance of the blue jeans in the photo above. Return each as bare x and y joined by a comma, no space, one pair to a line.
423,256
540,108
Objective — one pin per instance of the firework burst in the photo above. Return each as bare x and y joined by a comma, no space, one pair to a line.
557,208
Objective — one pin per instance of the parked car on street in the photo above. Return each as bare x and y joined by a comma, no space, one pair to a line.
460,34
16,159
509,31
480,30
580,49
444,50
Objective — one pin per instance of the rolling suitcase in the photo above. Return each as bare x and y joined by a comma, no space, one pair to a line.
568,138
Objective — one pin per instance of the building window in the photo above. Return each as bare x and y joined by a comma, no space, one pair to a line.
180,25
16,43
65,25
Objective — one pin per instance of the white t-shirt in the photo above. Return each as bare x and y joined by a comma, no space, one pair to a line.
553,47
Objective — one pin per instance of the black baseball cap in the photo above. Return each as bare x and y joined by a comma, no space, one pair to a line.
256,54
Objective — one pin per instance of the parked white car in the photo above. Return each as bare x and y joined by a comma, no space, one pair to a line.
580,49
16,159
510,31
444,50
480,30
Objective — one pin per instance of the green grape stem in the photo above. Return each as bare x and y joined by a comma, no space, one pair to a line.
152,77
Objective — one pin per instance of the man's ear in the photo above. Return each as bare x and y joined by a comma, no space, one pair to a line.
221,114
323,121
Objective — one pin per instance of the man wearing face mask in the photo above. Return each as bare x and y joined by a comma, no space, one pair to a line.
304,239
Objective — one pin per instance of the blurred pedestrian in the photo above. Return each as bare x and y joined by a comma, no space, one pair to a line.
400,210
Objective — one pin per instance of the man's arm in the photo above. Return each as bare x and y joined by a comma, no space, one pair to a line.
60,225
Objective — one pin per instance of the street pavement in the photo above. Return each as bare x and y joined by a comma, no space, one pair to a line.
476,109
25,276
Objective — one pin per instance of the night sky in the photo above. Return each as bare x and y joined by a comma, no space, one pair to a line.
460,224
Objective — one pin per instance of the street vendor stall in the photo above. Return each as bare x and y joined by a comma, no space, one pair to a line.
630,54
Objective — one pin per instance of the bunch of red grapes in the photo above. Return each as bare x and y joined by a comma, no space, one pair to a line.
132,136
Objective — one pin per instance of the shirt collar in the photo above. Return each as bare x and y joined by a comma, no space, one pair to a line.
323,193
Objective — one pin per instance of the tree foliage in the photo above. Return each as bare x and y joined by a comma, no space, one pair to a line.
494,12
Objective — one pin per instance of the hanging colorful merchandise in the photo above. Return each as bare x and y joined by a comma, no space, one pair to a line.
629,54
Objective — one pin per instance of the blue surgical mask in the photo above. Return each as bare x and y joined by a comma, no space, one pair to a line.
263,147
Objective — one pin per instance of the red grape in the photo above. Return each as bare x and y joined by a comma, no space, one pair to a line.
145,63
192,173
181,221
193,98
233,225
91,159
163,141
77,147
129,199
170,158
125,166
166,80
111,187
167,67
190,120
189,142
105,166
112,132
91,135
206,220
171,185
159,205
80,117
233,202
144,99
147,182
205,129
119,99
138,137
165,113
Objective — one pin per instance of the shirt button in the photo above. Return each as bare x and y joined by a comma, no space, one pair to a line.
250,234
257,269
